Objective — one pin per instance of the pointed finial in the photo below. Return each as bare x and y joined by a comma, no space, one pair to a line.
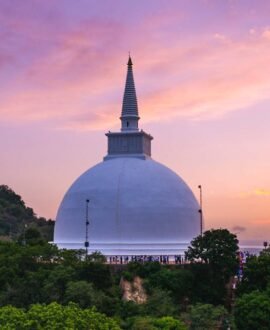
129,115
129,60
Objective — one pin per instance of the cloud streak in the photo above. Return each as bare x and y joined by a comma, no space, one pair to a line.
79,77
258,192
262,192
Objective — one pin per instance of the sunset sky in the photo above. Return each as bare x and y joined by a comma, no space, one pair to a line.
202,75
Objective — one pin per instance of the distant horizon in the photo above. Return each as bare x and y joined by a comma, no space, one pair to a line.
202,89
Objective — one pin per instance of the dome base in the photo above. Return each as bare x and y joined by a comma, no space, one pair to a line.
129,249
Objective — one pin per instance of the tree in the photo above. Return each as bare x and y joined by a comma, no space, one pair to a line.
217,247
252,311
55,285
143,270
15,215
8,195
129,309
178,282
97,273
207,316
54,317
213,257
72,257
208,286
12,318
160,303
151,323
97,257
256,273
169,323
32,236
80,292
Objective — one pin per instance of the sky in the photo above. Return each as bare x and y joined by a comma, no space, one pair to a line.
202,77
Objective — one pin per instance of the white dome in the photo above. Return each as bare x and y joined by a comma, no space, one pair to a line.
137,206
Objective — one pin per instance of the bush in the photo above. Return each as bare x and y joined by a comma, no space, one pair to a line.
128,276
164,323
80,292
252,311
160,303
206,316
55,317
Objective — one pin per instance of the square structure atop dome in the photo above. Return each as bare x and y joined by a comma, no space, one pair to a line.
129,144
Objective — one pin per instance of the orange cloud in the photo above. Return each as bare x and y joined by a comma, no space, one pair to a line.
262,192
255,192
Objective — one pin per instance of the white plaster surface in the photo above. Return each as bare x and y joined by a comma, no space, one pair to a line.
137,207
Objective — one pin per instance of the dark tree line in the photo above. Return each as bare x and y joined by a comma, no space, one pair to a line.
36,279
35,272
16,217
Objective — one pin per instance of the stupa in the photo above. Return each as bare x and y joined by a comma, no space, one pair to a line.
137,206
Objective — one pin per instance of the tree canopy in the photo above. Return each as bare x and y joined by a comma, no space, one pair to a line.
252,311
213,258
207,316
256,273
55,317
216,247
47,288
16,217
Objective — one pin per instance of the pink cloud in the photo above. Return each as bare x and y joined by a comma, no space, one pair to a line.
266,33
83,73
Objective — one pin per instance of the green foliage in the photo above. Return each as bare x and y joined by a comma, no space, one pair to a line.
7,195
217,247
71,257
23,270
80,292
160,303
12,318
32,236
97,257
169,323
252,311
15,217
206,316
209,286
256,273
56,283
128,276
54,317
164,323
129,309
142,323
107,302
213,257
97,273
143,270
252,308
178,282
33,272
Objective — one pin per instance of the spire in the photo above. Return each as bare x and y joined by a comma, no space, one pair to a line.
129,61
130,142
129,115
